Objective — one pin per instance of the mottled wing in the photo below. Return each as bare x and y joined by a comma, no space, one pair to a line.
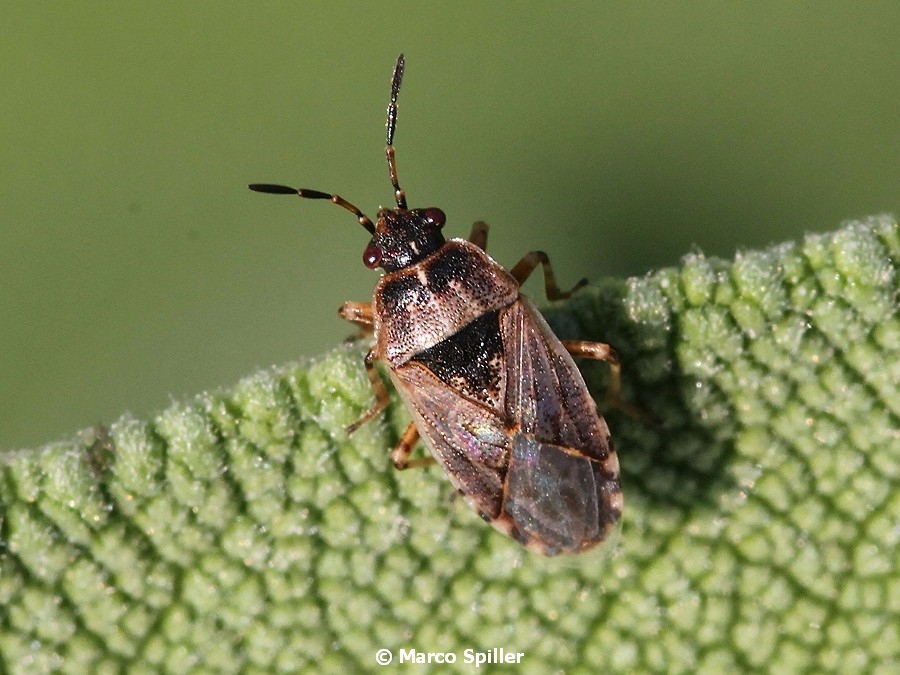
502,407
562,483
466,436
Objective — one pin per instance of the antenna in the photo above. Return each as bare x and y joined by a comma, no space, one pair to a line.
271,189
396,80
399,194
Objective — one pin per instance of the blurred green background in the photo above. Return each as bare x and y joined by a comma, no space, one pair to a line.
135,266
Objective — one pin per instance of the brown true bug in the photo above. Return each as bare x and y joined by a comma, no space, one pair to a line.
493,393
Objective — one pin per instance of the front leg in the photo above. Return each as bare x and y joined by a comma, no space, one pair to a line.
479,235
359,314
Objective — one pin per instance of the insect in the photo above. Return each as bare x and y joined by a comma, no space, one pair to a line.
493,393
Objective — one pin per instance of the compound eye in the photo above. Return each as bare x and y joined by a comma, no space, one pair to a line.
372,256
434,216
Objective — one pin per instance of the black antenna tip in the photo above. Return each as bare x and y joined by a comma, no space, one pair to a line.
272,189
397,79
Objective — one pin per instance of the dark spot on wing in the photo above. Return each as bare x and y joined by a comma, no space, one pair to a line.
471,360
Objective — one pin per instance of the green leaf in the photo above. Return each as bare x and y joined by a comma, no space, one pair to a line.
244,531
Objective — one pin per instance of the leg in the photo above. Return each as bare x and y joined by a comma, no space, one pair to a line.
603,352
479,235
381,394
358,313
400,454
525,267
599,352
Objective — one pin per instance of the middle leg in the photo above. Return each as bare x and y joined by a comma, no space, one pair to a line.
526,265
382,398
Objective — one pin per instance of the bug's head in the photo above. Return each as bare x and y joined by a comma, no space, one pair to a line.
403,238
400,237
